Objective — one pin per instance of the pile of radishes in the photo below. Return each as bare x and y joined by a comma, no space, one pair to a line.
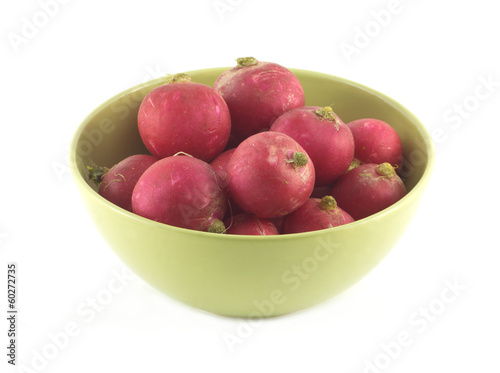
246,156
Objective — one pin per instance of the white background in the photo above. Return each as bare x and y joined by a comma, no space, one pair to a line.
60,61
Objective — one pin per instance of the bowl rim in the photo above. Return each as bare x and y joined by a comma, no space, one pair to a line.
411,195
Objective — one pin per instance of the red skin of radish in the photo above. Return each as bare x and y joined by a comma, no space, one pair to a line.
249,224
184,117
278,222
181,191
264,180
232,143
311,217
219,164
320,192
329,143
363,191
258,94
376,142
119,181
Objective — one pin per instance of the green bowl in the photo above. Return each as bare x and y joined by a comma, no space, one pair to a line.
250,276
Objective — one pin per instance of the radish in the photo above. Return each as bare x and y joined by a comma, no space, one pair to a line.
376,142
368,189
320,192
181,191
219,165
270,175
232,143
257,93
183,116
117,183
316,214
250,224
278,222
324,136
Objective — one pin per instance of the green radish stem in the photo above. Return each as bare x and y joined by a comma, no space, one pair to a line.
217,226
96,173
246,61
328,203
178,78
298,160
326,113
355,163
385,169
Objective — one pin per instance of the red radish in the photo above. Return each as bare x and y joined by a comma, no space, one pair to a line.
232,143
376,142
320,192
278,222
181,191
314,215
324,136
257,93
117,183
219,165
368,189
250,224
183,116
270,175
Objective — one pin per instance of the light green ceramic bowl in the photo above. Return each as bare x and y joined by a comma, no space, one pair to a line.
250,276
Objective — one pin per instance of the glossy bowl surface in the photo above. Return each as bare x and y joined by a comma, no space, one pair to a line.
250,276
